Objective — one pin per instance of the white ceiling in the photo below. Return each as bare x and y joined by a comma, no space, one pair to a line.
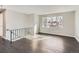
41,9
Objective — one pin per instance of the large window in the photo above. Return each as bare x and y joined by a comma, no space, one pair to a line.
52,21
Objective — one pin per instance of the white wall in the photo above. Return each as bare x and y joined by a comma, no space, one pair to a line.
77,25
36,23
30,20
33,22
15,20
30,23
68,24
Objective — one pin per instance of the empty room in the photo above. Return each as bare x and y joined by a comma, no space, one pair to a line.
39,29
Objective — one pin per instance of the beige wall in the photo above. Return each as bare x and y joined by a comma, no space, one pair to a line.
68,24
77,25
1,24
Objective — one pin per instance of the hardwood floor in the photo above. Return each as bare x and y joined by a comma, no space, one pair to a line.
52,44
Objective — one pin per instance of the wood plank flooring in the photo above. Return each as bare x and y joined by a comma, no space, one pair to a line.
54,44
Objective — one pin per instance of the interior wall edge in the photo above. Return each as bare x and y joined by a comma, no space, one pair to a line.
77,38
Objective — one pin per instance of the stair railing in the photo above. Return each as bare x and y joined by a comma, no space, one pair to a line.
19,33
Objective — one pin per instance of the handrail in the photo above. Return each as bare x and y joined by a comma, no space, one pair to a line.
17,33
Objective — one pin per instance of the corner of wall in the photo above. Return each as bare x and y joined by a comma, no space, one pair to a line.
77,38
